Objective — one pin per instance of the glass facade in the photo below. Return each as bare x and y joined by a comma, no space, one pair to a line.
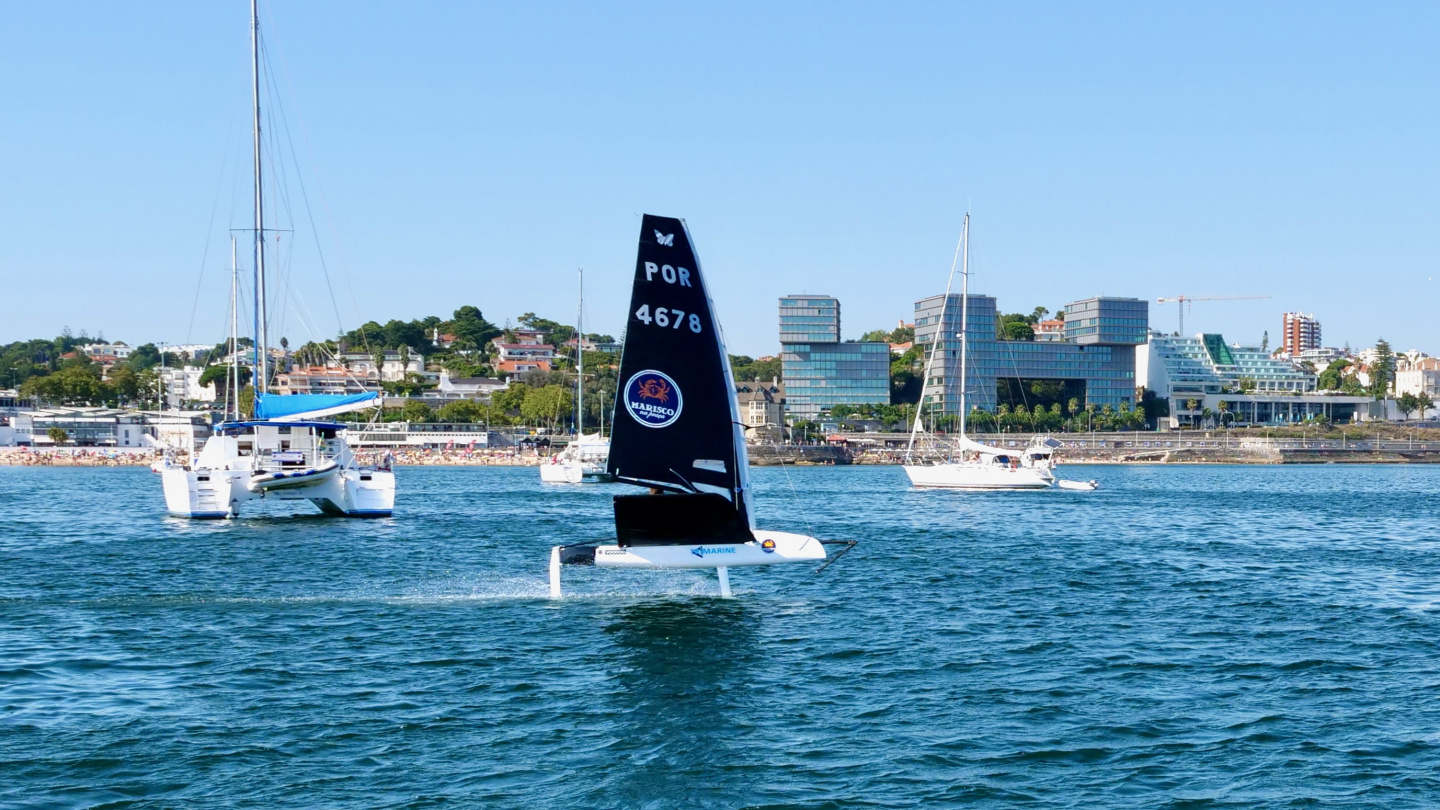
1107,369
1206,364
809,319
820,371
1096,321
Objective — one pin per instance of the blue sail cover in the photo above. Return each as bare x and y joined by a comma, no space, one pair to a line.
293,407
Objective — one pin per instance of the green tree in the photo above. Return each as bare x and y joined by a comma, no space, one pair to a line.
125,384
462,410
1331,378
58,436
416,411
512,397
470,329
1407,403
77,383
745,368
1424,403
1017,330
547,406
1382,371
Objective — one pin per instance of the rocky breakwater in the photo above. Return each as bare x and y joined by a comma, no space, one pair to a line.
768,455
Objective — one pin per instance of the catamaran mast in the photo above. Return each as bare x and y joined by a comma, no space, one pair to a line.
261,327
233,395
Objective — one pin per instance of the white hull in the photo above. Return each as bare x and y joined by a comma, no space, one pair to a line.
768,548
978,476
222,493
224,478
788,548
573,473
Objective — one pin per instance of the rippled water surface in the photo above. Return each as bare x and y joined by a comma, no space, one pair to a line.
1186,636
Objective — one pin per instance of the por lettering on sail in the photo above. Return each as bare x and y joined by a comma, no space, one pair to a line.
653,399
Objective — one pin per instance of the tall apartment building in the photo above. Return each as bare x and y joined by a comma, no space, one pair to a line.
1299,333
1095,358
820,371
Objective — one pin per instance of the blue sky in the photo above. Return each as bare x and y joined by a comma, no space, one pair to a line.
479,153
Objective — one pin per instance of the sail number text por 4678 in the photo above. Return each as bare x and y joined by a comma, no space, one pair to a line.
662,316
667,317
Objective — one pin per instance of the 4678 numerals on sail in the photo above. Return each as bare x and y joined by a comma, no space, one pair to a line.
664,317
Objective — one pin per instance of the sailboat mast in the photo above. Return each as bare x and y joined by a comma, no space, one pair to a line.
935,343
579,362
261,327
964,317
233,396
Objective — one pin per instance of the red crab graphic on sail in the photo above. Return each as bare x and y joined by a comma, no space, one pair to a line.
655,389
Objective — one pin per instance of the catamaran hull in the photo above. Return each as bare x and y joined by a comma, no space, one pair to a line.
978,477
222,493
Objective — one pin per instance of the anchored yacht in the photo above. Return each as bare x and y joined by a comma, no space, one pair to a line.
287,451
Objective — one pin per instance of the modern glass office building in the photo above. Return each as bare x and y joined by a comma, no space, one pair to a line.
1098,352
809,319
820,371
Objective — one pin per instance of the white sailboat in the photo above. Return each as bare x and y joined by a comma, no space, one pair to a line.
287,451
979,466
582,460
677,431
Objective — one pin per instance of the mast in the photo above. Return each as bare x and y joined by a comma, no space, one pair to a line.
935,344
261,327
964,317
579,362
233,396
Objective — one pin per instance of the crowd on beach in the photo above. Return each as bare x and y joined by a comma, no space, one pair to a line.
453,457
75,457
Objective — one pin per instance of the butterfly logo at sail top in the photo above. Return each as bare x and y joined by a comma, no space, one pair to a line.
653,399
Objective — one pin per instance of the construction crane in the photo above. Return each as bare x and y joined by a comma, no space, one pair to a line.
1184,301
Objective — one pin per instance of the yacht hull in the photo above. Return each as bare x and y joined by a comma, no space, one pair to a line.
978,477
571,473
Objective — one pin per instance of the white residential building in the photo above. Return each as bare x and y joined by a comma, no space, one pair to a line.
119,350
392,368
182,385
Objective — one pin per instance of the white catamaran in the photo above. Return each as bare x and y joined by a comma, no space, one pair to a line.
677,431
979,466
582,460
286,451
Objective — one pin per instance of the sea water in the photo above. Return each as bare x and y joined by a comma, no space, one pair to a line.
1187,636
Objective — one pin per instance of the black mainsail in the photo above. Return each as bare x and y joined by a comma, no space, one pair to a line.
677,427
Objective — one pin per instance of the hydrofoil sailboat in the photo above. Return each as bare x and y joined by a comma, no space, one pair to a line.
677,432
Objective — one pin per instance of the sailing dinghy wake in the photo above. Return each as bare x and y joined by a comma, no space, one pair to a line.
677,431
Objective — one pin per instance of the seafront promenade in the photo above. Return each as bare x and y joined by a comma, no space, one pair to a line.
1100,448
126,457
